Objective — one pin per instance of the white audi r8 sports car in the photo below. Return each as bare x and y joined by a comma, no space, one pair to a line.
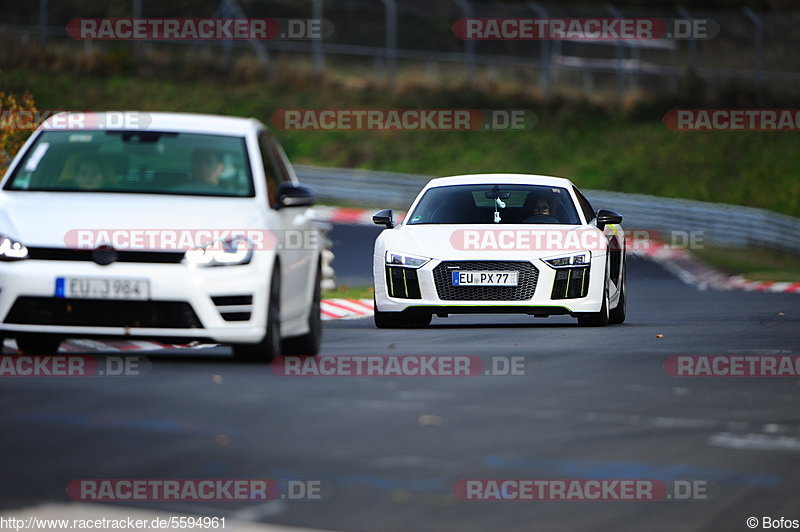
499,243
176,227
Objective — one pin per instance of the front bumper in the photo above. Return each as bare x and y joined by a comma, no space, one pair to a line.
174,289
541,303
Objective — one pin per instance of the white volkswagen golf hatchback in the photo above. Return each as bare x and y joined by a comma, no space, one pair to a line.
179,227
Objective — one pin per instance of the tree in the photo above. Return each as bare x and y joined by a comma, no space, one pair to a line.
12,137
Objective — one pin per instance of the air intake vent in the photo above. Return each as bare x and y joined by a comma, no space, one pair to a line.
571,283
234,308
30,310
403,282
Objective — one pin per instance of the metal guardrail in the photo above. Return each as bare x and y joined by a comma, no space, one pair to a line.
721,224
362,187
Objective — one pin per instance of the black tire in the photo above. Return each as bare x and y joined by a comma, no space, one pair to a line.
38,345
596,319
309,343
400,320
270,347
617,314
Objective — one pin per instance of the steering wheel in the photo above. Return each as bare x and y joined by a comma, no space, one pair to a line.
540,219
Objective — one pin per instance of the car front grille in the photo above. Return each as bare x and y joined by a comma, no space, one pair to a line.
570,283
155,257
527,277
28,310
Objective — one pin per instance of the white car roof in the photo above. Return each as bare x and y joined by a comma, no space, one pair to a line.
488,179
179,122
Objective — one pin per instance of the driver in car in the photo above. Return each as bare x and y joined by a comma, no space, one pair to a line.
207,166
540,210
89,175
541,207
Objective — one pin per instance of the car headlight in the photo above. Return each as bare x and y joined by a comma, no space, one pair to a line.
569,261
404,259
228,252
10,249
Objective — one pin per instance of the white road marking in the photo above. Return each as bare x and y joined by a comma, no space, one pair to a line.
413,461
260,511
755,442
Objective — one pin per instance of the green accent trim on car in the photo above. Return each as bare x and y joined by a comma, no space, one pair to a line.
475,305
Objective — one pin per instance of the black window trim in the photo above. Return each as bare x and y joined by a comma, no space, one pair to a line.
581,200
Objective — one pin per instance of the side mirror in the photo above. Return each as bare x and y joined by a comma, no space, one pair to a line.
384,217
290,195
605,217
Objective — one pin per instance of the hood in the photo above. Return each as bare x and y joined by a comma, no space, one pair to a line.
491,242
45,218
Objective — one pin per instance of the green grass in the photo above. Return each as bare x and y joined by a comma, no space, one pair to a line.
349,292
753,264
614,150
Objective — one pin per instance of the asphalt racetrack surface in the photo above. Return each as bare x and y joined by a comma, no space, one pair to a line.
592,403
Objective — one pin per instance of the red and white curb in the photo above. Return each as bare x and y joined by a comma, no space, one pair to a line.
338,309
695,272
654,250
348,215
80,345
331,309
739,283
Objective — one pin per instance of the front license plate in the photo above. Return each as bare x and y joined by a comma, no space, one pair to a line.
98,288
485,278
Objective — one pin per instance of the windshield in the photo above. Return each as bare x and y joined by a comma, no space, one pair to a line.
495,204
135,162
